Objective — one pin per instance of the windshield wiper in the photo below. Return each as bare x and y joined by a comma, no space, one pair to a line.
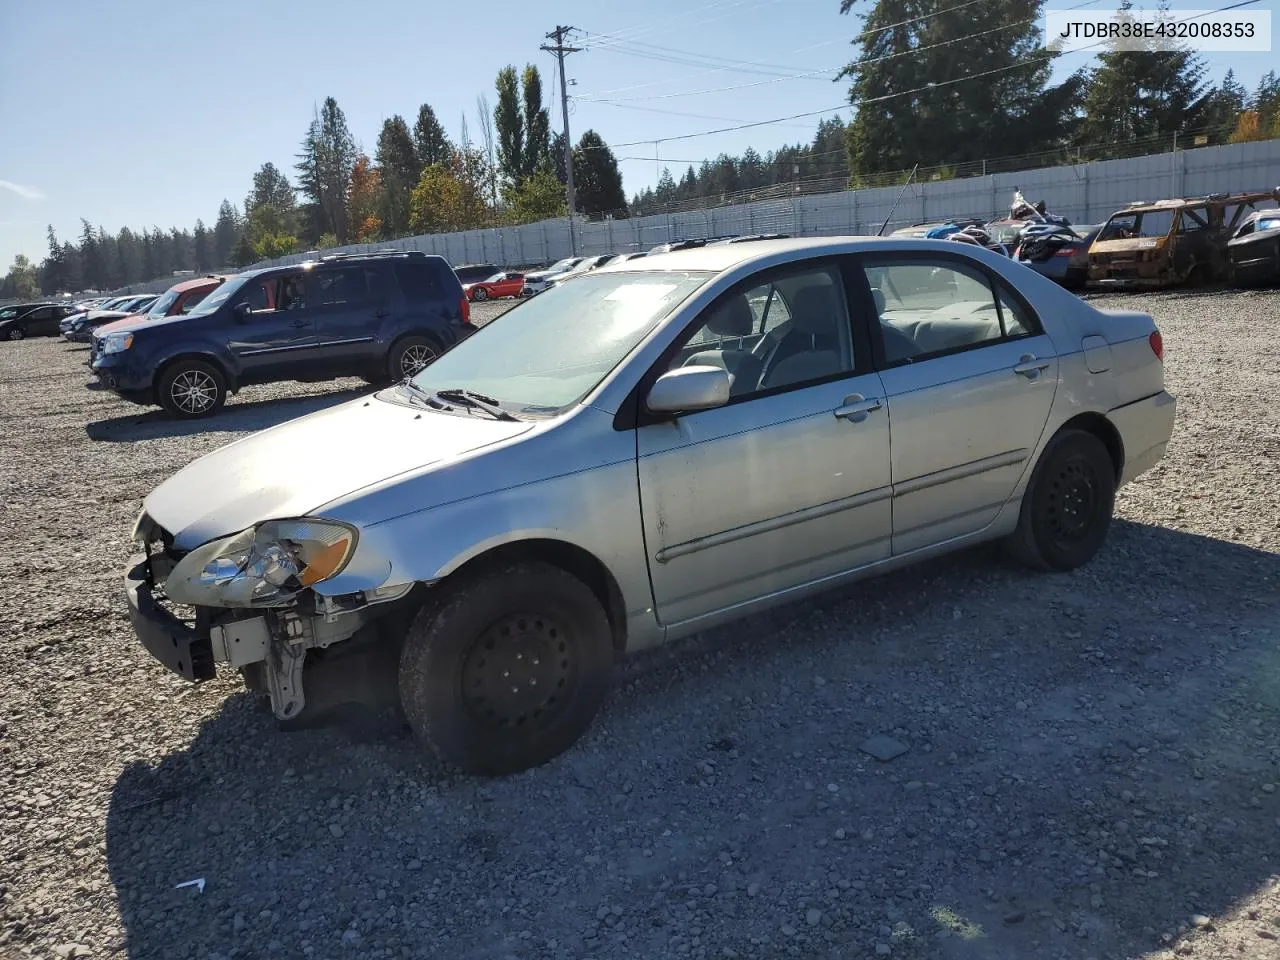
422,396
477,400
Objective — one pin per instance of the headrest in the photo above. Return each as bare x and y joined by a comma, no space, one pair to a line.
878,297
732,318
813,310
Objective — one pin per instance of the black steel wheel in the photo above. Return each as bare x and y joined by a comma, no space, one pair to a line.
191,389
505,669
1066,510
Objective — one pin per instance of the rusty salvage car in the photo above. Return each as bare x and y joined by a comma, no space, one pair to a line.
1171,242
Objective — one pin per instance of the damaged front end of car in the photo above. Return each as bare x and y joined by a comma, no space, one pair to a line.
247,601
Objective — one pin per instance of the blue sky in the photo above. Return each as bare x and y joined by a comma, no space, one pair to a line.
148,113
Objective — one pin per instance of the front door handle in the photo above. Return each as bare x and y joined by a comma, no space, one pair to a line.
1030,367
856,408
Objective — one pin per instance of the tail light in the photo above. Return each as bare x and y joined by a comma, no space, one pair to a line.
1157,345
1064,252
466,309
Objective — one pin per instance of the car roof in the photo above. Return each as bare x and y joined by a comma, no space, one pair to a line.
195,283
721,257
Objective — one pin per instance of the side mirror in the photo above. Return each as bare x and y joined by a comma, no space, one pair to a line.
242,311
687,389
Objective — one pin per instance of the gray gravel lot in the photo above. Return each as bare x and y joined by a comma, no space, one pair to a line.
1092,762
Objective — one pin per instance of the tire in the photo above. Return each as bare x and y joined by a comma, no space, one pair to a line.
479,294
15,333
1066,511
191,389
402,360
463,646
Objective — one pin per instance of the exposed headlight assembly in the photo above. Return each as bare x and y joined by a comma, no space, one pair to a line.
264,566
116,342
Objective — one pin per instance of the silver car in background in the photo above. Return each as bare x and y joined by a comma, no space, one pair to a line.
662,445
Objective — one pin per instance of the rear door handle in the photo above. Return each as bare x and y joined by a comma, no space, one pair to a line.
856,408
1030,367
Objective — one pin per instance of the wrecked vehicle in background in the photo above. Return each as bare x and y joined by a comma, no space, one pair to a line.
1171,242
1254,251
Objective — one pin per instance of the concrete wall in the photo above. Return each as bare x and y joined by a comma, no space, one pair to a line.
1085,193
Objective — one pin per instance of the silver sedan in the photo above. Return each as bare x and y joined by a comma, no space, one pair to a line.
665,444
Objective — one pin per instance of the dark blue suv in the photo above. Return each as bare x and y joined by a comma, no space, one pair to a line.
377,316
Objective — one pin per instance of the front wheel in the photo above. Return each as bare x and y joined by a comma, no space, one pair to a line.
505,670
479,294
15,333
190,389
1066,511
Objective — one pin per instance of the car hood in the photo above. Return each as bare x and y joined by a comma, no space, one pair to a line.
297,467
1258,236
140,321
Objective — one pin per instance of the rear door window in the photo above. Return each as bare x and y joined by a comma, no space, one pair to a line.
345,286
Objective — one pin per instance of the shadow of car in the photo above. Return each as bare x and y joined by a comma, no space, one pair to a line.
1076,785
245,417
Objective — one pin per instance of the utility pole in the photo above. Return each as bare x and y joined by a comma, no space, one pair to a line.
559,34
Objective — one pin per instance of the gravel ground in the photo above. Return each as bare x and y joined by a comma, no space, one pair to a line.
1091,760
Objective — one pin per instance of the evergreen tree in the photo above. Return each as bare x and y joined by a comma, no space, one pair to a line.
398,161
1142,95
945,121
53,273
1266,102
324,166
429,139
201,248
226,234
597,179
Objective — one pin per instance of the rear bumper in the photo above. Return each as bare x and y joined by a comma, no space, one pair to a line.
1145,427
171,641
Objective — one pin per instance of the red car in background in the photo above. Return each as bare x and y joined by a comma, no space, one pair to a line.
179,299
499,285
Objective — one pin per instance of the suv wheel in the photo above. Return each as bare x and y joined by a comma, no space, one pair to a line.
15,333
409,355
191,389
505,670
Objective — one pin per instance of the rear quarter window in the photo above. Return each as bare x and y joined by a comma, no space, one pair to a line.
419,282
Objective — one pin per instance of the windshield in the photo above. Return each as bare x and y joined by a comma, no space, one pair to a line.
1269,223
1147,224
1005,233
495,278
161,307
219,296
560,265
553,350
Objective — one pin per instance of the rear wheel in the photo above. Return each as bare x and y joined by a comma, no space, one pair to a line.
409,355
505,670
191,389
1066,511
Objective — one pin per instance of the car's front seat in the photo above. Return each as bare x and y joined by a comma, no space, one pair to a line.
810,347
732,318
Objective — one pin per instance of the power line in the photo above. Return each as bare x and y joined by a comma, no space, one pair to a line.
859,37
836,70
